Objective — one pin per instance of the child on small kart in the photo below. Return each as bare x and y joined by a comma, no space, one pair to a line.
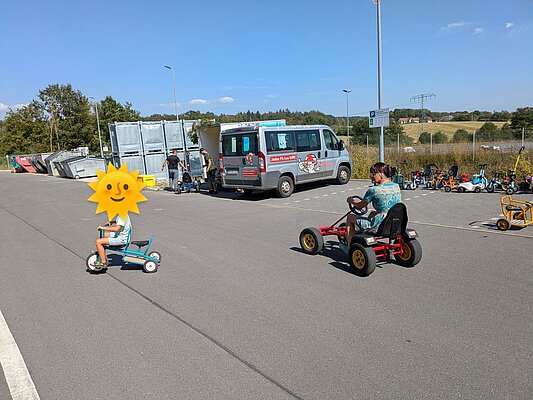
383,195
116,233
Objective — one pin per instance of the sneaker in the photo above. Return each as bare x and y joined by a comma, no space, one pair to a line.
99,264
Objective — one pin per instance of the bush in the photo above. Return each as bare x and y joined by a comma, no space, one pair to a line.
461,135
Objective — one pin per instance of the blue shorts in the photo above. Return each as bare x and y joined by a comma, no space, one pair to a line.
113,241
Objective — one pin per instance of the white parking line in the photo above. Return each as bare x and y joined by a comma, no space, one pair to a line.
307,199
408,199
18,378
296,201
324,195
494,219
351,189
334,193
316,197
343,191
159,209
425,194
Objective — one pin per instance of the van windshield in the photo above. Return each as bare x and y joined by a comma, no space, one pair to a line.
239,144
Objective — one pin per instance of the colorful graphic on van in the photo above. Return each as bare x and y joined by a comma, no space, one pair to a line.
283,158
249,158
310,164
250,172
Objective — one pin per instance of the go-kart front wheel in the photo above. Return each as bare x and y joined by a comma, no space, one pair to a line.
411,255
150,266
362,259
503,224
155,254
311,241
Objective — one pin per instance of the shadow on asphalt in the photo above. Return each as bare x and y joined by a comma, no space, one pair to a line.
115,261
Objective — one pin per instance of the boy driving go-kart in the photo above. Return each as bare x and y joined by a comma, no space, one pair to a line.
383,195
376,238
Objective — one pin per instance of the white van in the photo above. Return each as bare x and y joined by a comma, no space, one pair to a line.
279,157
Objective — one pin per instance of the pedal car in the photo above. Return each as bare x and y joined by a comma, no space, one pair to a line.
516,213
187,183
149,260
392,240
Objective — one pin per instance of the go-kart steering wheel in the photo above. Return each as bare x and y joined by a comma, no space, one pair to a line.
355,210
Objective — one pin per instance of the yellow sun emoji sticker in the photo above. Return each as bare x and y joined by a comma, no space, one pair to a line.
117,191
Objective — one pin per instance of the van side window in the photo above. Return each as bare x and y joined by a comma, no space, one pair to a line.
278,142
308,140
332,143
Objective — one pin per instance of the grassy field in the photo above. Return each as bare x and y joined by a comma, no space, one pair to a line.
448,128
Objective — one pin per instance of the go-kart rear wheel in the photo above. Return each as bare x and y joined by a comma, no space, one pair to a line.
311,241
150,266
412,253
503,224
362,259
509,191
155,254
447,189
490,189
477,189
460,189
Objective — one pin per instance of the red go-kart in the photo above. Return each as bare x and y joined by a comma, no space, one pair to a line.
392,240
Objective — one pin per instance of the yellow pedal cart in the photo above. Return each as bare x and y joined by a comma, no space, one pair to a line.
516,213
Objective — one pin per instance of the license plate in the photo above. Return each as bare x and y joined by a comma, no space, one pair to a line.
232,171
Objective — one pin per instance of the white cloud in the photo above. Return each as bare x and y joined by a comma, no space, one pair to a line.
509,25
4,107
479,31
227,99
199,101
454,26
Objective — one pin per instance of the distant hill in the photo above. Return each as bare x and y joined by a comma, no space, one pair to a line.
448,128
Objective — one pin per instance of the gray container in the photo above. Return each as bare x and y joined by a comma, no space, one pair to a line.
153,165
56,157
134,163
153,137
173,135
126,138
83,167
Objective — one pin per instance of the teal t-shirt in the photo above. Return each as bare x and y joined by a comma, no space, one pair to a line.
382,197
124,234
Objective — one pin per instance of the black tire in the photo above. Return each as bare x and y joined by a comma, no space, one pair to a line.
90,260
503,224
343,175
412,253
509,191
311,241
447,189
460,189
150,266
477,189
285,187
362,259
490,189
155,254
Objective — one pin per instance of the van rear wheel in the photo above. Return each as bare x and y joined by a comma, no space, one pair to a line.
285,187
343,175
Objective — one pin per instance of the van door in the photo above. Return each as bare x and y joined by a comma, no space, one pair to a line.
240,158
331,152
309,152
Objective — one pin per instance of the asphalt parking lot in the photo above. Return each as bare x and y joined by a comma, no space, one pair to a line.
237,311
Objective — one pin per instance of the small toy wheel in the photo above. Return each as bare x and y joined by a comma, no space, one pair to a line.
490,189
509,191
447,189
411,255
412,186
155,254
477,189
311,241
355,210
90,260
362,259
460,189
149,266
503,224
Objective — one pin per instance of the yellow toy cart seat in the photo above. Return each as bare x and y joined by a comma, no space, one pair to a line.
516,213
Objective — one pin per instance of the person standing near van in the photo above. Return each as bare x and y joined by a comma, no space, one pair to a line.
173,173
211,171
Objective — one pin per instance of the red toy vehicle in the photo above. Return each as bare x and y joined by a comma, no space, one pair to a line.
392,240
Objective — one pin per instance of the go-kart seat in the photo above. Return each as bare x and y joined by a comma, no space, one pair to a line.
140,243
394,223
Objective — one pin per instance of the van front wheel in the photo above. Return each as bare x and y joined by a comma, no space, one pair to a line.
343,175
285,186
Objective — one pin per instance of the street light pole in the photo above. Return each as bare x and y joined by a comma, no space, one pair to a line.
174,89
347,113
98,125
381,141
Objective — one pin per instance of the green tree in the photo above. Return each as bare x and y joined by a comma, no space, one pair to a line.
425,137
461,135
488,132
24,131
68,116
439,137
391,133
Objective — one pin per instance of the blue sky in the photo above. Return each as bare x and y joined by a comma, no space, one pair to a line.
234,55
